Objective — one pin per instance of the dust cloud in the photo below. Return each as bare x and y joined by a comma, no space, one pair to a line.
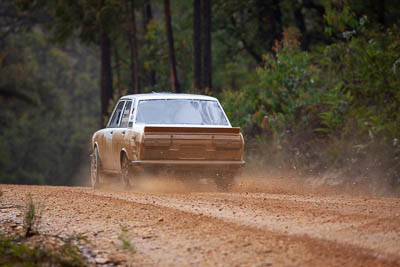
245,183
252,180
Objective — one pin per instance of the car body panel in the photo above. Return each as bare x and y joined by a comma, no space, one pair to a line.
105,148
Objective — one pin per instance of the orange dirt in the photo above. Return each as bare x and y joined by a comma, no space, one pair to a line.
258,223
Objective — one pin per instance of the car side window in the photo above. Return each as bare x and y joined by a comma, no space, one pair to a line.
125,115
116,115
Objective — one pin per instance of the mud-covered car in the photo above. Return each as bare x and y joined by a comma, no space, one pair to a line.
183,133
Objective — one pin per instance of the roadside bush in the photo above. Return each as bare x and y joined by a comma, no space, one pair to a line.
362,68
282,108
337,107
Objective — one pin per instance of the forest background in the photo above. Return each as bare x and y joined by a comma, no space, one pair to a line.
314,84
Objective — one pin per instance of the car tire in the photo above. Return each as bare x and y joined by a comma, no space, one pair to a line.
125,172
95,170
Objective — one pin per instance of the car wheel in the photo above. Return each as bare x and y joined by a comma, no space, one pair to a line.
125,172
224,182
95,170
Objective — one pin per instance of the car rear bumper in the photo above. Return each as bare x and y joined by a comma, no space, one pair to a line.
214,165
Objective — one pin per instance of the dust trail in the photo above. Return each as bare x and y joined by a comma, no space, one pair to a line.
273,181
161,184
245,183
171,184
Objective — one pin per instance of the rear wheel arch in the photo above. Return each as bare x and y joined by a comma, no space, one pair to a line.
95,145
96,148
121,155
125,169
95,169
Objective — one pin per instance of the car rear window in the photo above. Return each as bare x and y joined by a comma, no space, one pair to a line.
180,111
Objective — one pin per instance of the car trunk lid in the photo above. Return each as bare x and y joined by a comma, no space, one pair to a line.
191,143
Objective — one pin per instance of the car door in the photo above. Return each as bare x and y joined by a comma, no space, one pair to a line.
112,126
120,134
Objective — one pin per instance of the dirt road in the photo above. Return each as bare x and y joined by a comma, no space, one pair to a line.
270,226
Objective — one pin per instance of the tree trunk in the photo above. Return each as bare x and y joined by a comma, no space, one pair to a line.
147,18
171,49
381,12
300,22
274,19
197,44
118,70
106,77
247,46
206,49
147,14
134,52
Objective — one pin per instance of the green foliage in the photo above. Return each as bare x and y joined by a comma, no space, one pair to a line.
288,92
253,27
43,141
69,255
14,253
85,17
335,103
365,66
239,106
341,18
154,55
288,79
344,96
126,240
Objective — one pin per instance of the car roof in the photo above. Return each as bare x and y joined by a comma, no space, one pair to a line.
155,95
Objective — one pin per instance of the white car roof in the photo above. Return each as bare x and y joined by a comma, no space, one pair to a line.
167,96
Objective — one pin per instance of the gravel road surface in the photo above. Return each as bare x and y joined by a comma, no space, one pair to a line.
267,226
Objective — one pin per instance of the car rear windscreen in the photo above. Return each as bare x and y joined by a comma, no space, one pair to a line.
180,111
